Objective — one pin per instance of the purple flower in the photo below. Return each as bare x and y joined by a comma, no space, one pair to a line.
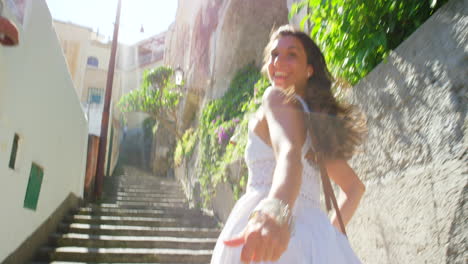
236,120
216,119
223,136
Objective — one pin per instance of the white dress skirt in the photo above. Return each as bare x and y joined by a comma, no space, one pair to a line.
314,239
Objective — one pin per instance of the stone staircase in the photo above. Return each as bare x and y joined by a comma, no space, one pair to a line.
140,220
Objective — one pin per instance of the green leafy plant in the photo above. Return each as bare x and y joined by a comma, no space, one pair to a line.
357,35
157,96
185,146
239,93
220,119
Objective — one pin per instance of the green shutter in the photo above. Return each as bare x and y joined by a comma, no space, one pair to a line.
34,187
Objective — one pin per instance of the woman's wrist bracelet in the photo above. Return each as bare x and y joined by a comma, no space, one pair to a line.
276,209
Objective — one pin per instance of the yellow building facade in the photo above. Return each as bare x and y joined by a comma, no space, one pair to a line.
88,53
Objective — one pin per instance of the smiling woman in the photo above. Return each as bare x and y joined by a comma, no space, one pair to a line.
279,218
154,16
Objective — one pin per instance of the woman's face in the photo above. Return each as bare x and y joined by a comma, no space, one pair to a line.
288,66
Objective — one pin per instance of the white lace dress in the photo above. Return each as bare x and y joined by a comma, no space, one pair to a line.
314,240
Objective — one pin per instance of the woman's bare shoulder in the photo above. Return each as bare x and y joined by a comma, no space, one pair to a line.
285,117
277,98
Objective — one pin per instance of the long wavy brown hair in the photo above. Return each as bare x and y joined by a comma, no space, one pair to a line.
339,127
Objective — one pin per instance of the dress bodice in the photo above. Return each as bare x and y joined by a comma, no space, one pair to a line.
261,164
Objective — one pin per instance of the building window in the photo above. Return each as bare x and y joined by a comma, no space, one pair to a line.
14,151
95,96
34,187
93,61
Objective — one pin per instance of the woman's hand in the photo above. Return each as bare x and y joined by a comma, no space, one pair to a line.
263,239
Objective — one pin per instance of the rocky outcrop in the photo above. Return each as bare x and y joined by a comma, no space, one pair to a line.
212,39
414,163
241,38
163,151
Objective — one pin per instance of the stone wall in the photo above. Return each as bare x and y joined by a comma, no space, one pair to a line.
414,163
212,39
241,38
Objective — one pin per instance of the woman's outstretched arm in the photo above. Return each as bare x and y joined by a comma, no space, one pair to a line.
264,239
286,123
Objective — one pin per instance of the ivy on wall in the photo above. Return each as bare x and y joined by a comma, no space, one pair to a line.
219,121
356,36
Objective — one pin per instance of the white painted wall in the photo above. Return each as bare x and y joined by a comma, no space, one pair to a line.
37,101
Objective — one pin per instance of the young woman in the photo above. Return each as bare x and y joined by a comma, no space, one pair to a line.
279,219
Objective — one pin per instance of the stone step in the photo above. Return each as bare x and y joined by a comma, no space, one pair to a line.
149,183
169,212
141,221
121,230
137,180
144,190
105,241
179,195
129,255
151,202
144,205
149,199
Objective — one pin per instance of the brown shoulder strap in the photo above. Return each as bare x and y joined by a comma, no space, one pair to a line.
327,187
